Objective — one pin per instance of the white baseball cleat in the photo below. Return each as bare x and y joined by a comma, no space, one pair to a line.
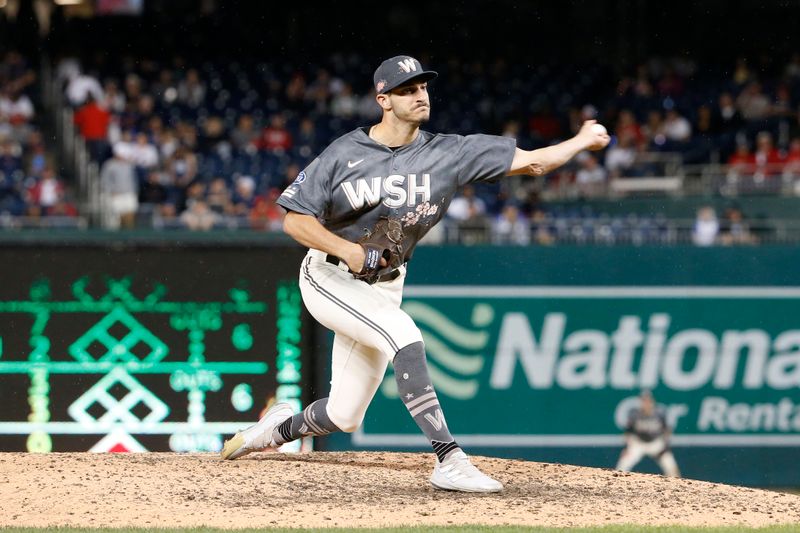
458,473
258,436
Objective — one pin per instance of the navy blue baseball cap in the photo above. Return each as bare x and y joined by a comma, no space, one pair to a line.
398,70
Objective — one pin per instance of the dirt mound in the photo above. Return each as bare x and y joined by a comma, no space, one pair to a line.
353,489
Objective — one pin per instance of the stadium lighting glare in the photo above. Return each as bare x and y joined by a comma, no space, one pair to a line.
67,2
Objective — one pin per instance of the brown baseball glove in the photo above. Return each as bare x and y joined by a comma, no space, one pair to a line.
384,241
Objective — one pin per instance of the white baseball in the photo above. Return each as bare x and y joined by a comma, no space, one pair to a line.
599,128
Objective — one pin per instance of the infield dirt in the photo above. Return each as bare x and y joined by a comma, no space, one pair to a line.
354,490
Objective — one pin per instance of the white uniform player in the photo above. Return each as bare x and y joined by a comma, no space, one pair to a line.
647,434
391,170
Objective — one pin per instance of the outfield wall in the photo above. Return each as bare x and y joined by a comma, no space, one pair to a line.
540,352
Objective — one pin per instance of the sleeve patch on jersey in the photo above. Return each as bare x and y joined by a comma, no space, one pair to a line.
300,178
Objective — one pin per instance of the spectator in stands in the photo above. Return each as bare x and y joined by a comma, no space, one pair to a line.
627,126
511,227
621,156
653,129
320,91
295,93
307,142
214,138
92,121
708,144
219,197
199,217
782,107
734,229
768,160
10,157
791,169
141,152
671,84
344,104
706,227
266,214
191,90
154,189
119,192
80,86
741,164
166,143
544,126
165,90
677,128
64,208
187,135
541,227
752,103
37,158
469,212
130,117
244,196
512,129
12,201
45,193
16,72
275,137
182,167
133,87
368,109
113,99
16,110
467,205
727,117
244,136
591,178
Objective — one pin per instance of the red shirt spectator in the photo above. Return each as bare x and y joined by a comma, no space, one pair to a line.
768,159
627,125
267,215
793,158
742,160
92,121
545,125
276,137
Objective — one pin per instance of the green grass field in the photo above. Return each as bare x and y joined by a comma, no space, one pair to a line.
432,529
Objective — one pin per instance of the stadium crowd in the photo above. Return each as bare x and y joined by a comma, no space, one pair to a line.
30,185
212,145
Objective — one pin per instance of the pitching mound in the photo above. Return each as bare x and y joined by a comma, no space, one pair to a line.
353,489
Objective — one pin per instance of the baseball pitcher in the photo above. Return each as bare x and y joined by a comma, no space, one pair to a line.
361,207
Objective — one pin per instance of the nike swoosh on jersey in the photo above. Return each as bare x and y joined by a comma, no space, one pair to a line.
351,164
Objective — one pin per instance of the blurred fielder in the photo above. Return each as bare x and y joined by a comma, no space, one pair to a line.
648,433
361,207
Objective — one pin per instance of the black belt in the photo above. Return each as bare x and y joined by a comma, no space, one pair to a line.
394,274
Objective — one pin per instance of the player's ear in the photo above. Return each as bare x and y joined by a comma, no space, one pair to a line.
383,101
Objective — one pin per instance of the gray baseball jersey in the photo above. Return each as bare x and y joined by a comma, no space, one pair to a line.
356,181
647,427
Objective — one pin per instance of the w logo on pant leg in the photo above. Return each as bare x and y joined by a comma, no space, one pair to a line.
436,421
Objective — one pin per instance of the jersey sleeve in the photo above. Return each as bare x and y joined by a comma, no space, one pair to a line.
484,157
309,193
